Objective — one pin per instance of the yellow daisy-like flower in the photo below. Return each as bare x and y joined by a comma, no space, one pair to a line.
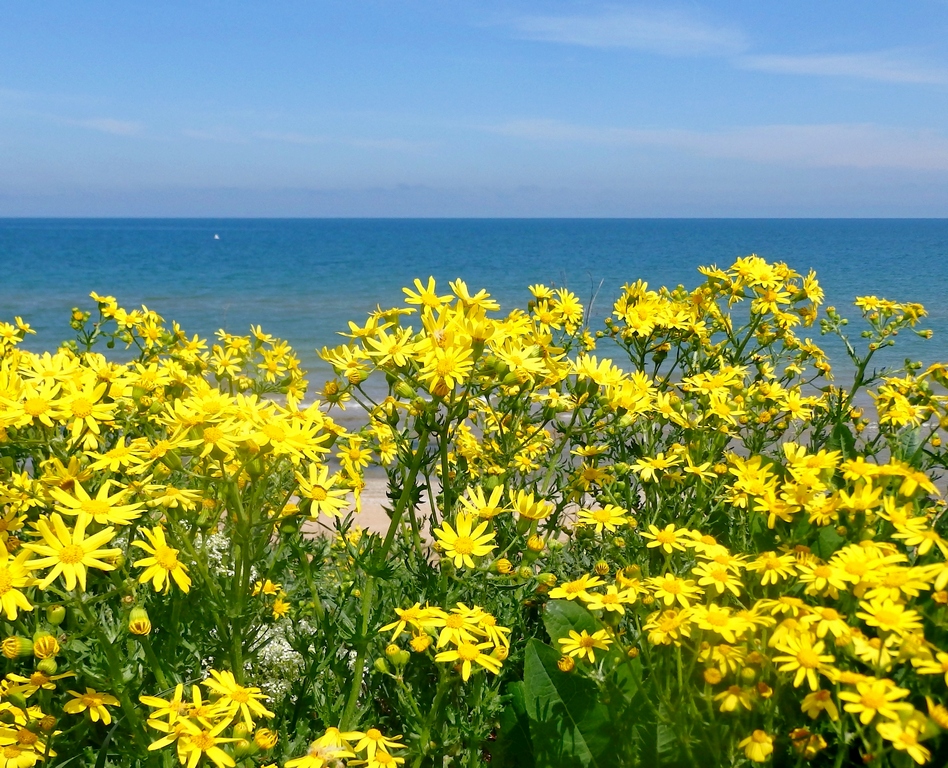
235,697
103,509
373,740
875,697
468,654
13,576
163,565
204,741
805,658
609,518
93,702
70,552
578,588
758,746
320,489
466,541
584,645
486,508
668,539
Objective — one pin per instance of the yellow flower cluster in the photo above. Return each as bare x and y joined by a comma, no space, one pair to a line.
194,725
472,635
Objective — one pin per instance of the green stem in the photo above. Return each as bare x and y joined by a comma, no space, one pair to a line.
367,594
115,673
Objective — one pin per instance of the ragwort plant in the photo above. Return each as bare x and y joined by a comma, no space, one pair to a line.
705,553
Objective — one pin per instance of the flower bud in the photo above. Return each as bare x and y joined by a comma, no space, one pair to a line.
381,665
632,653
712,676
420,643
48,666
138,621
566,664
45,646
503,566
536,544
14,647
265,738
56,614
602,568
243,748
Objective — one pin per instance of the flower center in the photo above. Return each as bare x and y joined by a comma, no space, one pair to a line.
36,406
872,700
212,435
454,621
6,581
203,741
71,554
808,658
81,407
166,557
468,652
95,507
464,545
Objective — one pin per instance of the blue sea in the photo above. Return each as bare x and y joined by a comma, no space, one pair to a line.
302,280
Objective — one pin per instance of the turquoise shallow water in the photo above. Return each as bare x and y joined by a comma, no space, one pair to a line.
303,279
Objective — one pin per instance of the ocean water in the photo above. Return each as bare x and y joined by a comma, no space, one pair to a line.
302,280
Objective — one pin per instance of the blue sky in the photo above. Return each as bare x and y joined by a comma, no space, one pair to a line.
730,108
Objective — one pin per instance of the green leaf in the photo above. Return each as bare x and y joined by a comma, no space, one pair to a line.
841,439
828,542
513,748
561,616
568,725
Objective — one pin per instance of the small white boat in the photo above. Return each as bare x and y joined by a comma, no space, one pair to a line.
217,237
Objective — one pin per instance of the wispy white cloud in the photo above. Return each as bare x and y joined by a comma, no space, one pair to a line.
883,66
216,135
110,125
666,32
291,137
821,146
393,144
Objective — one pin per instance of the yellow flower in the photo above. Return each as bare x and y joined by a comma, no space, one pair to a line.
804,657
204,741
470,653
14,575
235,697
889,616
875,697
94,703
820,701
669,589
905,739
415,616
612,601
758,746
70,552
668,539
103,509
531,508
461,544
486,508
609,518
578,588
718,576
320,489
732,697
373,740
163,565
582,644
